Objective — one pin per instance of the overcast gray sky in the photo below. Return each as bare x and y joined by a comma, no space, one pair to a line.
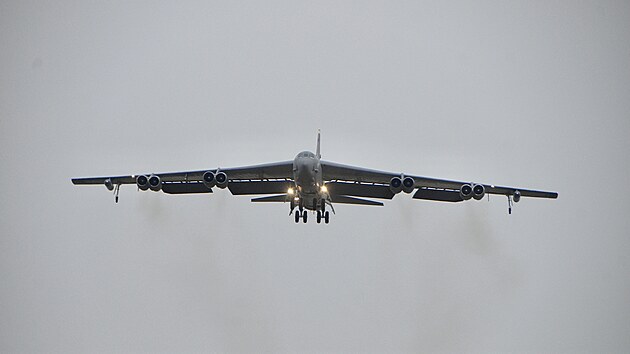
528,94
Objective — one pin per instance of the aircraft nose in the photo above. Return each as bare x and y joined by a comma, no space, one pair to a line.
304,166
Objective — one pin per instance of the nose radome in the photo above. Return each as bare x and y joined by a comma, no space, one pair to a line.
304,163
305,167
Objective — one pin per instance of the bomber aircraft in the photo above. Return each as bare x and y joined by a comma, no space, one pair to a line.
309,183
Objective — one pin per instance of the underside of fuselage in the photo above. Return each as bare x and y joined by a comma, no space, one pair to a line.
311,201
307,175
310,192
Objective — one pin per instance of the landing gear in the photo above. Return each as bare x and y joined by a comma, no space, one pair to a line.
116,191
301,215
323,215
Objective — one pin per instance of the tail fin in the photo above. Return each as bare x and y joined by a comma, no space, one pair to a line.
317,152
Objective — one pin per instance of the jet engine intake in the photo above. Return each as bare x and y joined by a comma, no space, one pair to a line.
466,191
209,179
155,183
395,185
408,184
222,180
143,182
478,191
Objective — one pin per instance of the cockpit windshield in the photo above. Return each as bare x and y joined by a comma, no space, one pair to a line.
307,154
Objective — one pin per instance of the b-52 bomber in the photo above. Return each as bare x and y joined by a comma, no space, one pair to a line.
309,183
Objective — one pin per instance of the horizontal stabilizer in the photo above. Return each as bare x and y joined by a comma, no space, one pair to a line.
343,199
441,195
272,198
185,188
259,187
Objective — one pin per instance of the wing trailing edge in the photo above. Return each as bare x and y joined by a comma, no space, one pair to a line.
344,199
440,195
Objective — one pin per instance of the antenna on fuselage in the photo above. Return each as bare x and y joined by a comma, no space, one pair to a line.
317,151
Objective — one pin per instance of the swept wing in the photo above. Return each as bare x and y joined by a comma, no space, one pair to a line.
366,182
257,179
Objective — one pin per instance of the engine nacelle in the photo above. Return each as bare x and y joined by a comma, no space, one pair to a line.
395,185
466,191
109,184
155,183
479,191
209,179
516,196
143,182
408,184
222,180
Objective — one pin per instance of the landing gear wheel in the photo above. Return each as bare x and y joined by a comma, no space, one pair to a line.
326,217
319,216
297,216
304,216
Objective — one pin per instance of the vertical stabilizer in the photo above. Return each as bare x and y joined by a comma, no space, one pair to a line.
317,152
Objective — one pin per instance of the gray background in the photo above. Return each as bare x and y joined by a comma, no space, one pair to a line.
528,94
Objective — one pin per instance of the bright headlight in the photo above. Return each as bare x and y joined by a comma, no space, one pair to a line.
290,191
324,189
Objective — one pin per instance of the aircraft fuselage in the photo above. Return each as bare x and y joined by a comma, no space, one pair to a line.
307,174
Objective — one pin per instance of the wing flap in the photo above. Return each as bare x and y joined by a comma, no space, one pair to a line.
259,187
441,195
272,198
344,199
360,190
185,188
